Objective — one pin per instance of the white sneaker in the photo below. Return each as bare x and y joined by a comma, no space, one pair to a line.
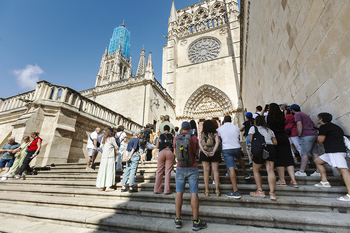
8,175
299,173
316,174
213,182
4,178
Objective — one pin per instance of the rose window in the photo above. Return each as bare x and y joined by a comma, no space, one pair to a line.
204,50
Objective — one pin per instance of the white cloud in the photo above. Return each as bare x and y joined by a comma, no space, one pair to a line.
28,77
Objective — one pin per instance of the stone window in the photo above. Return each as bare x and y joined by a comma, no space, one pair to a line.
204,49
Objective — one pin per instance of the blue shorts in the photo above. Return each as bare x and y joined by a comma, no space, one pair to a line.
9,162
148,145
308,145
248,142
230,155
192,176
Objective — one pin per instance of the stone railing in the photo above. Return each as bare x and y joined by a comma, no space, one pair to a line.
16,101
50,92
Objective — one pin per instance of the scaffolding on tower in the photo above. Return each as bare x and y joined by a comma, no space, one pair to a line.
121,36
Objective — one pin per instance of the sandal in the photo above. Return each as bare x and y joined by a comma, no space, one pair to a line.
258,193
323,184
109,190
218,194
101,189
294,184
345,198
273,196
206,193
281,183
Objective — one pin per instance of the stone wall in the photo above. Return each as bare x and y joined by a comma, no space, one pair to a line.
297,51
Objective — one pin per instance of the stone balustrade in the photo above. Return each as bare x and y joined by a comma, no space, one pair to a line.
16,101
50,92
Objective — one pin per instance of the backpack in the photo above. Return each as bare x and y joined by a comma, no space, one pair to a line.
259,147
183,150
208,141
117,139
97,144
143,137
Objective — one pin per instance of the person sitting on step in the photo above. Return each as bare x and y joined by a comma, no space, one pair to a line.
8,155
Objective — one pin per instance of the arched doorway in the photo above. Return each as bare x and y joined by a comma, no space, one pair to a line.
207,102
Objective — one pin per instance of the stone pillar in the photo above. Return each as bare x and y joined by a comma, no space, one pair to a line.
64,95
70,100
55,96
1,104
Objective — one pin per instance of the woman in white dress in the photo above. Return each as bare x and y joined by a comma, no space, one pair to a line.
106,172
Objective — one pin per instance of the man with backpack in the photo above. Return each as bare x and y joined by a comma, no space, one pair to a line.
186,149
92,145
145,140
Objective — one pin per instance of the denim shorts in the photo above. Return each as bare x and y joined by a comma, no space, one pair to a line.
230,155
189,173
9,162
308,145
247,139
148,146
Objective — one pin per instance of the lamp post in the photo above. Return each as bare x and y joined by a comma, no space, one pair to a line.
155,101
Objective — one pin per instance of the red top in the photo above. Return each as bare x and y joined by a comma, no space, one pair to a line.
289,123
34,144
194,146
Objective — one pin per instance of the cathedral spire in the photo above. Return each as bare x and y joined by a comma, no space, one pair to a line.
173,13
149,67
141,68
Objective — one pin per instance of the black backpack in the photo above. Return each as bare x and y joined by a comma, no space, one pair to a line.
258,144
143,137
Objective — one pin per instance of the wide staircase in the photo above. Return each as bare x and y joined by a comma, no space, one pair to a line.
63,198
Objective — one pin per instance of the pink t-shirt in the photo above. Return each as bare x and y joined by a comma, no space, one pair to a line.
308,125
194,147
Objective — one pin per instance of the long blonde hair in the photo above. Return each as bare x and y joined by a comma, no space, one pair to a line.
108,134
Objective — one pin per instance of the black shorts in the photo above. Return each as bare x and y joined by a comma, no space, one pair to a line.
272,157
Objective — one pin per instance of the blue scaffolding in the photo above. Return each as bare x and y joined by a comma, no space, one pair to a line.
120,35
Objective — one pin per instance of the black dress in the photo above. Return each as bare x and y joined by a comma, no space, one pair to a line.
284,157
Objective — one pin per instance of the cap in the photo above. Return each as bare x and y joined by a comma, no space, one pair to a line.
249,114
294,107
283,103
186,125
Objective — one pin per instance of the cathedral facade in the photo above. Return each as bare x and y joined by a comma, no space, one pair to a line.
201,62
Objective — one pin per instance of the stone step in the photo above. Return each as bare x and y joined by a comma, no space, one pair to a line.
303,190
131,215
116,223
58,196
309,180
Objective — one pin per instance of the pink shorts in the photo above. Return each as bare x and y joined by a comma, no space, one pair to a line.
335,159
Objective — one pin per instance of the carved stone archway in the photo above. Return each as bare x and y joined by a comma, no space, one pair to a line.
207,102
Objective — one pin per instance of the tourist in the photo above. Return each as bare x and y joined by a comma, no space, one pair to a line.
121,136
167,122
231,148
307,139
146,138
132,162
165,160
189,172
176,131
331,136
283,107
106,172
290,127
92,145
8,156
210,154
32,151
258,112
20,154
246,126
258,160
193,130
284,157
99,139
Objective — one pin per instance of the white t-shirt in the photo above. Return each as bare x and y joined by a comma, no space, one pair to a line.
266,132
259,114
90,143
229,134
121,135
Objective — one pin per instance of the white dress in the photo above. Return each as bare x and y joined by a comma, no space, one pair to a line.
106,172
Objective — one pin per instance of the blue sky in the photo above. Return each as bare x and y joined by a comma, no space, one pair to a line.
62,41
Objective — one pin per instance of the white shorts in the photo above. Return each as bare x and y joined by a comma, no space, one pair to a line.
91,152
335,159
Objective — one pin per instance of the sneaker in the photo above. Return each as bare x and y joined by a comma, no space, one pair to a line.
234,194
258,193
213,182
197,225
317,174
250,162
143,163
4,178
299,173
227,174
133,191
247,176
178,223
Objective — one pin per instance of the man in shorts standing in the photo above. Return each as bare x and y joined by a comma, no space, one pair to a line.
307,139
331,136
231,149
92,148
191,174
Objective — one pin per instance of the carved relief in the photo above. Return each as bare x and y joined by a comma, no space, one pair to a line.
183,42
223,31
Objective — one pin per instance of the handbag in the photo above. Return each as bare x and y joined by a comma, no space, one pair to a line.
289,131
18,154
